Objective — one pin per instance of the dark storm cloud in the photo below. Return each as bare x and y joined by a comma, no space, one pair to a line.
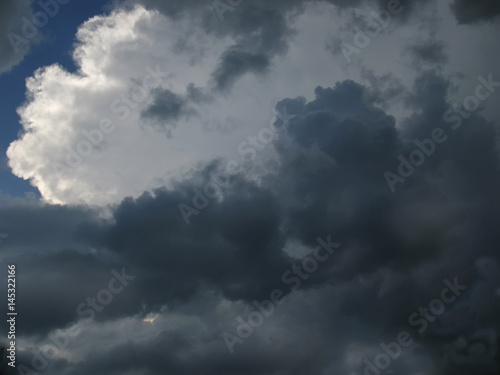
11,15
174,351
70,277
56,266
361,141
349,142
344,195
41,227
397,248
472,11
235,245
331,181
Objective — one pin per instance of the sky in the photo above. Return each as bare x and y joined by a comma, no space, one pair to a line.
260,187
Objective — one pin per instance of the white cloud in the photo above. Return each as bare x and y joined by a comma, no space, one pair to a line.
115,53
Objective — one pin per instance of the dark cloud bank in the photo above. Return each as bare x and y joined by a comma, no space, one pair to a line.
397,247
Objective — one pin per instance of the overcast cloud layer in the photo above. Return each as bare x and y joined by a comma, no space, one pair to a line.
202,161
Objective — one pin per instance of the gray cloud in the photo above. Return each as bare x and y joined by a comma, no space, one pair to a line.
472,11
261,28
431,52
396,247
197,279
166,105
12,48
236,63
166,109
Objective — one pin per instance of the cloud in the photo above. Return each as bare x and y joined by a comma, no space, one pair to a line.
166,108
236,63
12,49
74,121
192,283
429,53
469,11
87,135
260,31
197,279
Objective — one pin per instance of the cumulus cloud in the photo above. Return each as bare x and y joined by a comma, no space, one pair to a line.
74,121
87,135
